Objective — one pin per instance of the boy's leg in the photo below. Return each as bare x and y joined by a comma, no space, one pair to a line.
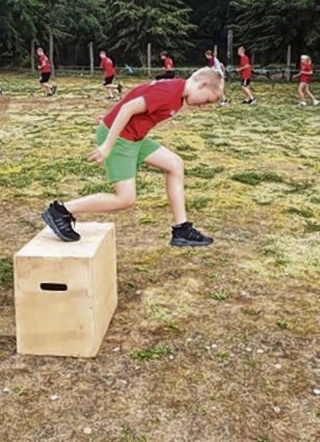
247,92
173,166
123,198
61,216
309,93
301,89
121,166
183,233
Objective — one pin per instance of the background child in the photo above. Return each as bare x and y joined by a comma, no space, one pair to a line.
123,147
45,69
306,71
167,67
109,74
214,63
245,71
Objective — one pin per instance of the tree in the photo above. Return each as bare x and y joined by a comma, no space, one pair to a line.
268,26
164,24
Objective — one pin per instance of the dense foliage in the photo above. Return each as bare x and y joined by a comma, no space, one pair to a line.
183,27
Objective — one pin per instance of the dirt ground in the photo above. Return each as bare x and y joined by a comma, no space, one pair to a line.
220,344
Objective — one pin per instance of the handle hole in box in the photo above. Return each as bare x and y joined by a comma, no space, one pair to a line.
53,287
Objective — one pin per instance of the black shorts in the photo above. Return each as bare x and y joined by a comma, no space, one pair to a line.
44,77
108,80
167,75
245,82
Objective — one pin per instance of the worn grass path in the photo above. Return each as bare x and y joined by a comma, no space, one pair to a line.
214,345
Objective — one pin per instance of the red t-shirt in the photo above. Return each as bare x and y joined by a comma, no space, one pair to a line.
168,64
246,73
46,67
163,100
304,78
211,62
107,65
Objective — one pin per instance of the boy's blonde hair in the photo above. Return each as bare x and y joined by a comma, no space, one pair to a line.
212,76
305,58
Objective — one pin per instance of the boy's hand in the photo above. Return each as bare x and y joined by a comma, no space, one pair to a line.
98,155
39,67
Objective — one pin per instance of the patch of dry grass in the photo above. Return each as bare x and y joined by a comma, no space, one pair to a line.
214,345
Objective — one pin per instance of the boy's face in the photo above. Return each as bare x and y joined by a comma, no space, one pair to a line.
209,56
200,94
102,55
240,52
163,57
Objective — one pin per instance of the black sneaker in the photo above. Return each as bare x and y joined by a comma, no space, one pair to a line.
60,221
119,87
54,89
251,102
246,102
186,235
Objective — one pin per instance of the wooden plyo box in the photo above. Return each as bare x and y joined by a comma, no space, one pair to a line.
65,293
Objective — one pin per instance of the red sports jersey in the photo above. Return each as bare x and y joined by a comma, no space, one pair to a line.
168,64
246,73
107,65
163,100
45,60
307,67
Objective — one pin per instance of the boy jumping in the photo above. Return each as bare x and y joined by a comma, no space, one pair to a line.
123,147
45,69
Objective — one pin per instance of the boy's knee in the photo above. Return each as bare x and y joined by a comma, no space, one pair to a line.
178,164
127,200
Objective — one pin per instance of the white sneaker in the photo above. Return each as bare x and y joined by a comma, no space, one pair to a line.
302,103
316,102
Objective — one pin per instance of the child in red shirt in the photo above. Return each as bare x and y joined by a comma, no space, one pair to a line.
124,147
167,67
245,71
214,63
45,69
305,74
109,74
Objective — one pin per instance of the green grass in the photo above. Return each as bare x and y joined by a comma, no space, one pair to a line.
190,354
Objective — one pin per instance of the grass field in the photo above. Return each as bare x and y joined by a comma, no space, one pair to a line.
213,345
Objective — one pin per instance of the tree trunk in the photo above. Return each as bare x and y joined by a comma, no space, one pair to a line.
32,55
51,49
288,63
91,58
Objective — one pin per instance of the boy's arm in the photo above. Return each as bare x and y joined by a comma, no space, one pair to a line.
127,111
242,68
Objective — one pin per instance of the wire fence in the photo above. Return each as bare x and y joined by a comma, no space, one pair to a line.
260,73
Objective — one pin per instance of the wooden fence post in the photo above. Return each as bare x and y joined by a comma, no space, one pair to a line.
288,63
149,59
33,42
91,57
230,46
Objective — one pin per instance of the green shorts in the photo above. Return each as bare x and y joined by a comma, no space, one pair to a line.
125,156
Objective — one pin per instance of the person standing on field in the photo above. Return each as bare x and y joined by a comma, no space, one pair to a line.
245,72
216,64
